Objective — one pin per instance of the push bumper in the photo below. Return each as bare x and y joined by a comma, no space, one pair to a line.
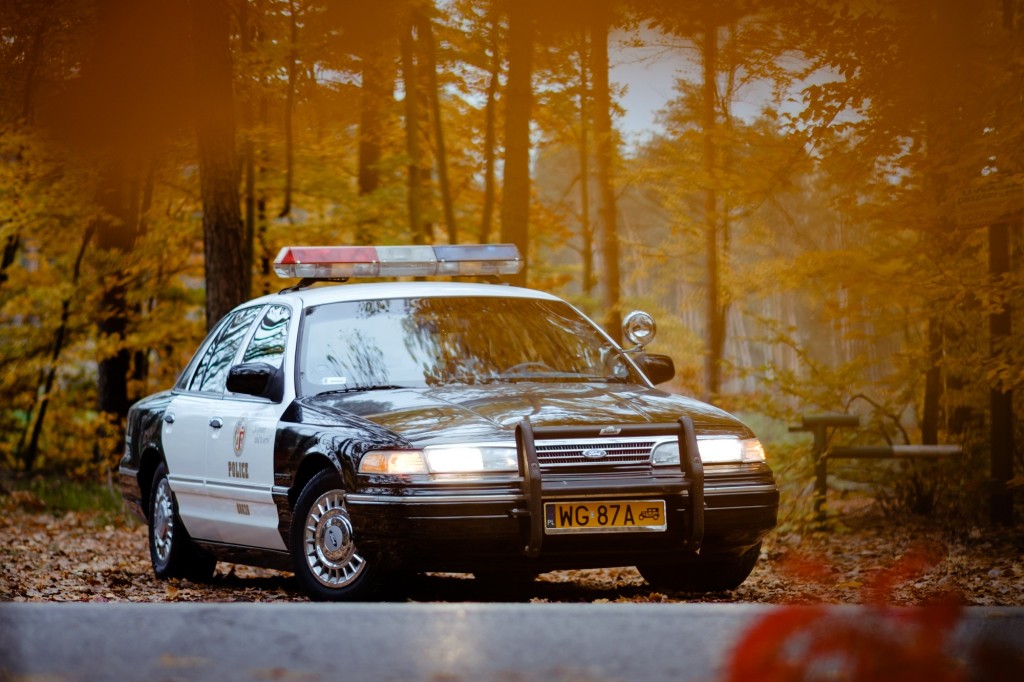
468,528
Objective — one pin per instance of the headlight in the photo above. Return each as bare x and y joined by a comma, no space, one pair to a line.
453,459
712,451
441,459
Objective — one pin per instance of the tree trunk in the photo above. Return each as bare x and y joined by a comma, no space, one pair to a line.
289,110
140,356
586,228
370,128
375,94
715,318
116,232
227,273
247,31
412,138
1000,326
515,205
29,451
259,181
932,384
605,165
1001,399
426,33
11,246
490,133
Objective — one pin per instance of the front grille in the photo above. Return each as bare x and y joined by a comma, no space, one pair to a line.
621,452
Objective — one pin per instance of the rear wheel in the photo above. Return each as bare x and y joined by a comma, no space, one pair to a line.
328,565
171,550
705,573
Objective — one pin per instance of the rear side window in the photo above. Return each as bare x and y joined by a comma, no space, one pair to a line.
191,369
212,371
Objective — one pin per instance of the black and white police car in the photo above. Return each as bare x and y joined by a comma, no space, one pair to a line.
354,432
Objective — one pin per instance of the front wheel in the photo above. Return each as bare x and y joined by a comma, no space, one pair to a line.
171,550
327,563
705,573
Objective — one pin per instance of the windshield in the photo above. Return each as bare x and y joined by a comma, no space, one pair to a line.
417,342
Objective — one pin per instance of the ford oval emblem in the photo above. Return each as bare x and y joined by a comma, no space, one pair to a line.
595,453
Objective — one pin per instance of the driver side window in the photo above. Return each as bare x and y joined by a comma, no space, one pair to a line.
269,339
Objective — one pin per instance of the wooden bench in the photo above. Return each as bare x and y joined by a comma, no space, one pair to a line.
819,425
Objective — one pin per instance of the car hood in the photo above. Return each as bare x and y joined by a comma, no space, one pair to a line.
487,413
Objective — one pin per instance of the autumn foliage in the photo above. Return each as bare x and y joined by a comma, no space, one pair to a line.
795,218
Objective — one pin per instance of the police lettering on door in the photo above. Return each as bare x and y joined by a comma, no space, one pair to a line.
239,469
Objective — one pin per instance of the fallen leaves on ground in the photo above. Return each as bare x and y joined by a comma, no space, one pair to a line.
82,557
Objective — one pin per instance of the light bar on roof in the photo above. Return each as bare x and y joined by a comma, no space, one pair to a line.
338,262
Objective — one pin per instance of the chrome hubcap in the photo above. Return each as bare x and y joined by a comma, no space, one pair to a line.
329,544
163,520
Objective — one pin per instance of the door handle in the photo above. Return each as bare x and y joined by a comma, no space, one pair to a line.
216,422
169,417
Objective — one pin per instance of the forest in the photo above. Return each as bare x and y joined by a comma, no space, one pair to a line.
826,216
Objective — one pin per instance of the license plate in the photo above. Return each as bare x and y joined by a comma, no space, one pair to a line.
619,516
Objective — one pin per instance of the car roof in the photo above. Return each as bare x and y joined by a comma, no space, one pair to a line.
381,290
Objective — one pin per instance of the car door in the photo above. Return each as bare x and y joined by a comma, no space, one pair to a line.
189,425
240,453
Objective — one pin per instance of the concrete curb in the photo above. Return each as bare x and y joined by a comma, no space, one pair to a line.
440,642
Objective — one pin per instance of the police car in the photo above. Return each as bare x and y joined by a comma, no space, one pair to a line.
355,432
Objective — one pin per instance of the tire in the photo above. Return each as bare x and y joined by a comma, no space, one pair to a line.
714,573
326,561
171,550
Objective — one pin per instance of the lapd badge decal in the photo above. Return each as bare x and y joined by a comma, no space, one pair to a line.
239,437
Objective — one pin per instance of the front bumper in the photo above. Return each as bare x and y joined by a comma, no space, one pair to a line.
438,531
469,525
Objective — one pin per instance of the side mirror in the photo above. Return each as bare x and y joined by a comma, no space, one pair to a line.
252,378
657,368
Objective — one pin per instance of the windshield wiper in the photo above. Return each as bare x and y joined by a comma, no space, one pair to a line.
361,389
549,377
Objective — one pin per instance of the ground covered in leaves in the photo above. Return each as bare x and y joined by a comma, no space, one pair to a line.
863,558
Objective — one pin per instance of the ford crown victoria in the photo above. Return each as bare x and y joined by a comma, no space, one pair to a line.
355,432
